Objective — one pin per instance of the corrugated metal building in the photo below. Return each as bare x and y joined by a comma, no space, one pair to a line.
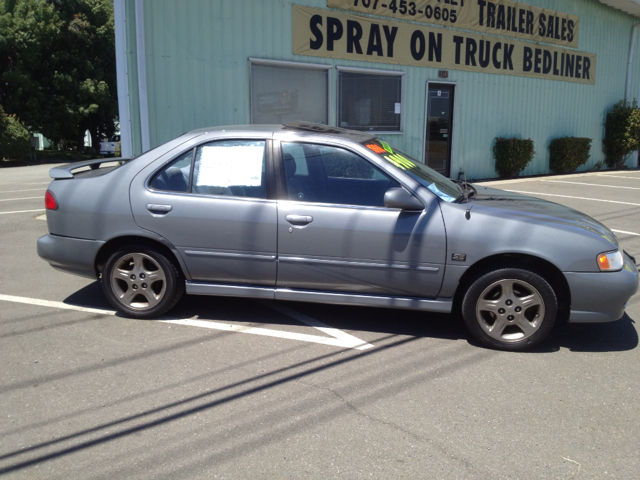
440,79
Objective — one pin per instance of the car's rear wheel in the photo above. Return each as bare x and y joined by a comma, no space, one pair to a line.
510,309
141,282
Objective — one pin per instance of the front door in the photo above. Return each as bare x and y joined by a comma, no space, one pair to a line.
335,234
439,123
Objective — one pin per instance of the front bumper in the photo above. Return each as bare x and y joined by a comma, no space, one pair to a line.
601,297
72,255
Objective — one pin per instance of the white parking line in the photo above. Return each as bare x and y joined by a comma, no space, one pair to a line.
618,176
25,190
16,199
590,184
49,303
338,338
348,339
23,211
568,196
336,342
25,183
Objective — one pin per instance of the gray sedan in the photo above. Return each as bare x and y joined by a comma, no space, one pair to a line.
313,213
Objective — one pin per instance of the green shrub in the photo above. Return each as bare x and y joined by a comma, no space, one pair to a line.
512,155
15,140
118,150
566,154
621,133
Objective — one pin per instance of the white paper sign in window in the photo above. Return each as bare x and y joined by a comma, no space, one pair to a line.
224,166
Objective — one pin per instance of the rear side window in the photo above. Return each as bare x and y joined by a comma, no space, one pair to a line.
234,168
175,176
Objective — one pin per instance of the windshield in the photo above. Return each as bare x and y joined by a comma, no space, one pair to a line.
443,187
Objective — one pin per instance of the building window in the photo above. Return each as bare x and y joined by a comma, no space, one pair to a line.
288,91
370,101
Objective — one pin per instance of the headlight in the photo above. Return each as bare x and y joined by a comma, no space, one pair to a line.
610,261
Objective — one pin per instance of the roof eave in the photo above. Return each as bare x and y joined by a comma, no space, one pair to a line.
632,7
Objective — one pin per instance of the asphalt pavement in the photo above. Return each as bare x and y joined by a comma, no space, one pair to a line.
237,388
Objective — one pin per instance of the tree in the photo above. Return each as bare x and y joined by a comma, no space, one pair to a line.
512,155
57,66
14,138
621,133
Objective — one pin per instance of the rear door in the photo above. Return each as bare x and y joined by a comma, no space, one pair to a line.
212,203
335,234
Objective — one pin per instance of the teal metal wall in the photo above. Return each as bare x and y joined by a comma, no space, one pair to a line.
197,68
132,81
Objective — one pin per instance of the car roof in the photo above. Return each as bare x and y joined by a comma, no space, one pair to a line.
297,126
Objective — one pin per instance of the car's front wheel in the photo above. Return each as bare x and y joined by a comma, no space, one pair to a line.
510,309
141,282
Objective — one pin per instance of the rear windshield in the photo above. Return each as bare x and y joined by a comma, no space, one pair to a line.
443,187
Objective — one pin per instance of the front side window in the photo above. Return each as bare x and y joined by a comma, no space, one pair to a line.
333,175
443,187
370,101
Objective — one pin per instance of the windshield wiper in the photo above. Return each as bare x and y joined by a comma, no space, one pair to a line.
466,190
472,191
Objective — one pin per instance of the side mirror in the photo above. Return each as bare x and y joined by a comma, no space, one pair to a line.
400,198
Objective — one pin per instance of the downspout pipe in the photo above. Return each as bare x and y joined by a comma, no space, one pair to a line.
632,48
122,76
627,92
143,102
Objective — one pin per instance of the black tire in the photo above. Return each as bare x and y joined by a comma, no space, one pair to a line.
509,309
141,282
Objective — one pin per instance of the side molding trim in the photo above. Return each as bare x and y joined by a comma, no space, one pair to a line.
444,305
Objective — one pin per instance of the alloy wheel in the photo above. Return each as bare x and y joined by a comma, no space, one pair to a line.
138,281
510,310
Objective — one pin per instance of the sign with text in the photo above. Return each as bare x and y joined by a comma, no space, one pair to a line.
331,34
230,166
499,17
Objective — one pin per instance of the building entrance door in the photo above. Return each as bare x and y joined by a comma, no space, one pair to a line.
439,122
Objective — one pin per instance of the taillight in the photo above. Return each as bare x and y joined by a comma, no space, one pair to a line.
50,201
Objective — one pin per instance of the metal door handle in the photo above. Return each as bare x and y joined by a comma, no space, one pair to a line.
159,208
299,219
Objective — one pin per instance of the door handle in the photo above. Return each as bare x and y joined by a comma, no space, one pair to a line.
299,219
159,208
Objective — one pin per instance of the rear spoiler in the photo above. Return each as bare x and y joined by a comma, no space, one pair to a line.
68,170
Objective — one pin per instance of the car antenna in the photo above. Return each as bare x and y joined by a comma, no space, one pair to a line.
467,213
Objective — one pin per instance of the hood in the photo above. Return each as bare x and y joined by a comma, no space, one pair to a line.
536,210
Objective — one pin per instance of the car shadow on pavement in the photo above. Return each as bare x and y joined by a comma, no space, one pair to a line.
256,312
616,336
90,296
602,337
